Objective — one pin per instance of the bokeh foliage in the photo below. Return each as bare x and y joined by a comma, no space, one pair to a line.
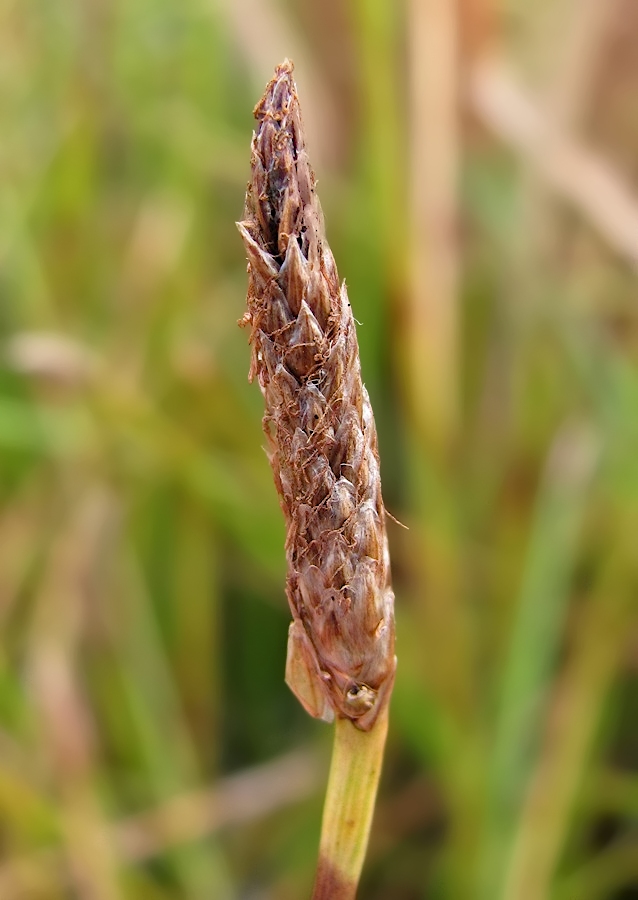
141,547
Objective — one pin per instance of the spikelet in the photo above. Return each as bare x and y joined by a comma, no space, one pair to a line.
320,430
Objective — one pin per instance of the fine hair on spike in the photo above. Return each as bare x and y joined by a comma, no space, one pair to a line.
319,427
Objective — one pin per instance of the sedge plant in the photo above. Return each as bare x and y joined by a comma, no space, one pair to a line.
322,445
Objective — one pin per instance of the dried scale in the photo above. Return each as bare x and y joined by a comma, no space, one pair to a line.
320,430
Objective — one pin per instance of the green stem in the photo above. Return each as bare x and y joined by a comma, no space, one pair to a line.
357,758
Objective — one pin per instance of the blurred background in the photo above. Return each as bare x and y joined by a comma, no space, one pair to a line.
478,167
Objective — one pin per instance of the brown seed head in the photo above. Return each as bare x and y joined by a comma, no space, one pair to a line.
320,429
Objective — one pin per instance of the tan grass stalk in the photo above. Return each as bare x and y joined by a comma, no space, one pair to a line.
67,734
245,797
323,450
261,30
572,38
577,174
432,375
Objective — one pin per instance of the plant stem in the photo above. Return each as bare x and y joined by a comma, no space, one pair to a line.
357,758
